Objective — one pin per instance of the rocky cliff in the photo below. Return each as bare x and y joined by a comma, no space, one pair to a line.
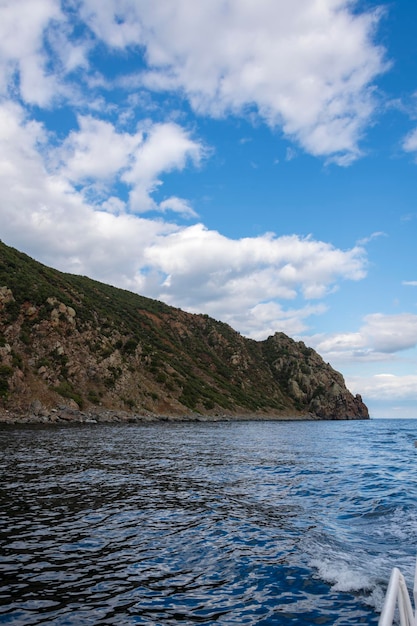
70,346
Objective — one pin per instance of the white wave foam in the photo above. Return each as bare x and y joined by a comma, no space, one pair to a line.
342,576
351,578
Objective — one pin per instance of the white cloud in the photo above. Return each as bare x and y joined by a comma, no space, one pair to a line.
391,333
380,337
97,155
307,67
410,283
371,237
266,318
167,147
44,214
410,142
408,217
117,22
269,58
96,150
113,205
201,270
386,394
26,64
178,205
386,387
290,154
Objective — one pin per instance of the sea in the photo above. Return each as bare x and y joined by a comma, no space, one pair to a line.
232,522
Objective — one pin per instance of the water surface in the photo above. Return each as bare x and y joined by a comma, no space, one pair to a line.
198,523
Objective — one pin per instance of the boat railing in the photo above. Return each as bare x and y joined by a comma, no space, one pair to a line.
397,596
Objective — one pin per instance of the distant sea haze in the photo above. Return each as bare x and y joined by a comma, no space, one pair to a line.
205,523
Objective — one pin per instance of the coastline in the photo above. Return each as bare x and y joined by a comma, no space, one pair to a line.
68,415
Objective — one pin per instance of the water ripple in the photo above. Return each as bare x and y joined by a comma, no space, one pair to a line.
234,523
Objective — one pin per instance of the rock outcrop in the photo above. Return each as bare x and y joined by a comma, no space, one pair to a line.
311,382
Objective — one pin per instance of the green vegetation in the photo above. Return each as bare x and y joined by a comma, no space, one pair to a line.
66,390
127,345
5,374
130,346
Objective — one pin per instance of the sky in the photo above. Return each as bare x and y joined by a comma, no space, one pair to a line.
254,161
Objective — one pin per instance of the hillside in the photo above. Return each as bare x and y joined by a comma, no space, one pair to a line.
71,344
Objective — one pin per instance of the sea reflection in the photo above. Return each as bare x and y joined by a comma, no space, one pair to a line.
188,523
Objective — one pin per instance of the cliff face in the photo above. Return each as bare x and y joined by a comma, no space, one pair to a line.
309,381
68,340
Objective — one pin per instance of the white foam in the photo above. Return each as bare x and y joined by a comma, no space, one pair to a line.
342,576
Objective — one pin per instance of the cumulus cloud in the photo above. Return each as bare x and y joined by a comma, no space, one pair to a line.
266,318
391,333
117,22
386,394
97,154
96,150
36,53
386,387
306,67
202,266
167,147
379,337
21,46
46,215
245,281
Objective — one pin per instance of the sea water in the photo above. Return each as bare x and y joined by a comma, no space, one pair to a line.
205,523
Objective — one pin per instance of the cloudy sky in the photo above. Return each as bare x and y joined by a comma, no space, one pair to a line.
256,161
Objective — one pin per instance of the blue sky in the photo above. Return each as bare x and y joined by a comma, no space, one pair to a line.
253,161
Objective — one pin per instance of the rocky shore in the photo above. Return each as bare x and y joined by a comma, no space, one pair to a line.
67,414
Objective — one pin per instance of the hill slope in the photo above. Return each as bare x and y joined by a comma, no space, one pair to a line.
70,341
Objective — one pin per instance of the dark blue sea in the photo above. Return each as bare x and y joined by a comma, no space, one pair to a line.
205,523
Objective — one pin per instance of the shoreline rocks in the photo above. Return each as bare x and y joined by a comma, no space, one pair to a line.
66,414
